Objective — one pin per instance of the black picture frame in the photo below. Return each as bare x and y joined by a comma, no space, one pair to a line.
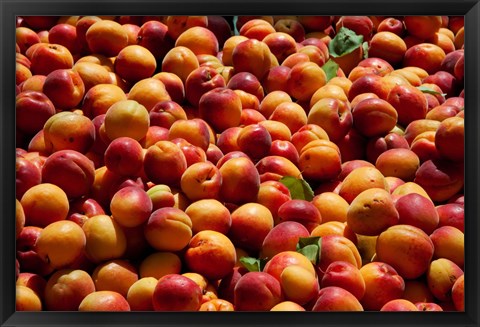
11,8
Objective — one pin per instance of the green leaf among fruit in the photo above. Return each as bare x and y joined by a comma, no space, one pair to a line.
428,90
310,247
253,264
344,42
331,69
299,188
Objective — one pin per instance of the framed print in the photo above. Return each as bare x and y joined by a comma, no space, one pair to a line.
198,163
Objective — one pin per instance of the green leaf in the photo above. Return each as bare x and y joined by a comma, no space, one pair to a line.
311,252
330,68
344,42
304,241
310,247
307,190
365,49
235,31
428,90
252,264
299,188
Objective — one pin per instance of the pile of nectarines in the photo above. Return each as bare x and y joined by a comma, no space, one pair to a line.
210,163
